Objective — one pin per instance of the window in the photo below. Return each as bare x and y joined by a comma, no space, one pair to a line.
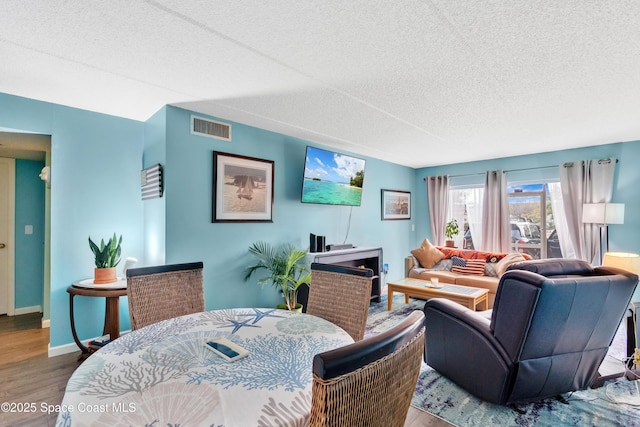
535,207
532,221
465,205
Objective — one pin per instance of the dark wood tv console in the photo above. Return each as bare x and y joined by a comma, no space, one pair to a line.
356,257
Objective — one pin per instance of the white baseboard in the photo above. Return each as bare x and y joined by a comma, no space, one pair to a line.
27,310
63,349
46,324
71,348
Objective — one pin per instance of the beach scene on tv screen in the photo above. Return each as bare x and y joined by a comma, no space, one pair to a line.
332,178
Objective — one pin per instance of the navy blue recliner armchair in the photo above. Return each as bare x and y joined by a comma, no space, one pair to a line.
551,326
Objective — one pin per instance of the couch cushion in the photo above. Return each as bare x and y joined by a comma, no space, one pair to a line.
468,266
443,264
490,269
427,254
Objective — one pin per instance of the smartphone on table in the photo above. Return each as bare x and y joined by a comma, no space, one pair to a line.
226,349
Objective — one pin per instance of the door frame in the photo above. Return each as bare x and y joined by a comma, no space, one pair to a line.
11,303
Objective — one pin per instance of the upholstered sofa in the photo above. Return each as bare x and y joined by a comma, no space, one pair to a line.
430,261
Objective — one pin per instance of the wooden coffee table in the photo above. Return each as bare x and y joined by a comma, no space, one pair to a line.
466,295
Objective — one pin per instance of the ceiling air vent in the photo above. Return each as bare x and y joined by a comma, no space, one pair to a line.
210,128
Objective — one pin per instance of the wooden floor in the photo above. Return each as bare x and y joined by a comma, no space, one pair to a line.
27,375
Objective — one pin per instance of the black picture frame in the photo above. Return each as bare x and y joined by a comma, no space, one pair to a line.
242,188
395,205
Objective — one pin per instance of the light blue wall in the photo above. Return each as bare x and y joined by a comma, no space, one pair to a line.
625,237
155,151
191,236
95,166
96,160
29,248
533,162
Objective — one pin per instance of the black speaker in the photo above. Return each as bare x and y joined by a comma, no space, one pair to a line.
320,243
313,243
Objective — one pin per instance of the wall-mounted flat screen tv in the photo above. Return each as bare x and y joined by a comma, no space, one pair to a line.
332,178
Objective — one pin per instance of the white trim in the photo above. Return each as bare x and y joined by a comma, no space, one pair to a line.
27,310
64,349
12,239
46,324
72,347
11,291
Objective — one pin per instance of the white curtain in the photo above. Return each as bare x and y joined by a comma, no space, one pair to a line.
474,202
438,197
469,200
586,181
496,233
456,211
573,177
560,220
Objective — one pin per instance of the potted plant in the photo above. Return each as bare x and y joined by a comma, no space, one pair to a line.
107,257
451,230
288,268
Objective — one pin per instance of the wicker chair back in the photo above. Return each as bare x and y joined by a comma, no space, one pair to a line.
341,295
371,382
164,292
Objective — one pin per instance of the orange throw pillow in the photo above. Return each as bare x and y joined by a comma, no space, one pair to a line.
427,254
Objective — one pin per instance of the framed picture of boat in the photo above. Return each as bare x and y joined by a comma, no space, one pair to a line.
242,188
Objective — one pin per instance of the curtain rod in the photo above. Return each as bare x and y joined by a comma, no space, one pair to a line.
511,170
567,164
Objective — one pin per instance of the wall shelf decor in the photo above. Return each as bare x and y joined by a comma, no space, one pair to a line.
151,182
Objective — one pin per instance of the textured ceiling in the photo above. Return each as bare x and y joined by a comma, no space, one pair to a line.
417,83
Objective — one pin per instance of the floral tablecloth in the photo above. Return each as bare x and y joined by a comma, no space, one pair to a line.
163,375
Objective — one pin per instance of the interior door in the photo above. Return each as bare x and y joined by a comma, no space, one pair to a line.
7,195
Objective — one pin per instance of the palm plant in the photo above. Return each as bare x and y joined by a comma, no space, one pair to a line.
287,266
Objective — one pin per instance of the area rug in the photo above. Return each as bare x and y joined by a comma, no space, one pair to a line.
615,404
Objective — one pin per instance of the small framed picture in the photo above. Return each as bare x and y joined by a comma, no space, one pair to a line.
396,204
242,188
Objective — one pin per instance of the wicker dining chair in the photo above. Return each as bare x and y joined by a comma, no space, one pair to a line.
164,292
371,382
341,295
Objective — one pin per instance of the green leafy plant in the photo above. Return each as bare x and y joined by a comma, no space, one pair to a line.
107,255
287,265
451,229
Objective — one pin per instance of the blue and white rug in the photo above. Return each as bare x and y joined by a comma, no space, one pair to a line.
615,404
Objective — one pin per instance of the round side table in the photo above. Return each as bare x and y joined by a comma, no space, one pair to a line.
112,292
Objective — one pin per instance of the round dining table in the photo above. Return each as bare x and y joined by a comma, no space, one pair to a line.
162,374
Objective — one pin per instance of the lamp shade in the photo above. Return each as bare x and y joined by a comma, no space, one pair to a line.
603,213
623,260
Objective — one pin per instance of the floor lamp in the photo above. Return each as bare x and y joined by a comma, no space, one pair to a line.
629,262
603,214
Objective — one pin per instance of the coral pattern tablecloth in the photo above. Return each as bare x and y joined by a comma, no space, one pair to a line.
162,375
